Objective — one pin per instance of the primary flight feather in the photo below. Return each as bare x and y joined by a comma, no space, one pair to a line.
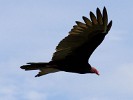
73,52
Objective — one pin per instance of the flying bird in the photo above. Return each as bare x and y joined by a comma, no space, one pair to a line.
73,52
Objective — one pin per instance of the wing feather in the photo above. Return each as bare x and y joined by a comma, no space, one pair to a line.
93,18
99,17
105,19
80,24
83,38
109,26
87,21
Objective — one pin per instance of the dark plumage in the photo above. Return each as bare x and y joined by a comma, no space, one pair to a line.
73,52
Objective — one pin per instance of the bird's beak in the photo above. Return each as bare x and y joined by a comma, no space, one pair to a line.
94,70
97,73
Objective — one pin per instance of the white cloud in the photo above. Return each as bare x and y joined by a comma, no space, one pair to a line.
123,78
34,95
114,85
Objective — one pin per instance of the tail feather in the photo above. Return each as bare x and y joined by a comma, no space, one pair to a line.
45,68
33,66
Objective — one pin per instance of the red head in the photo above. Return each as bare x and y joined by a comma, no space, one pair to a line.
94,70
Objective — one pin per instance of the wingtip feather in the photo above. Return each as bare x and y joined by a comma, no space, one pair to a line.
87,21
93,18
105,16
99,16
109,26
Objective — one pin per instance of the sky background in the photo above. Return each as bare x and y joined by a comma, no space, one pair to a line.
30,31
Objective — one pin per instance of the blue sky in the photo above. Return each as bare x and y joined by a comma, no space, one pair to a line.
30,31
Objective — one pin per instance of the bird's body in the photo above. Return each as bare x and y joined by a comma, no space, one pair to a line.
73,52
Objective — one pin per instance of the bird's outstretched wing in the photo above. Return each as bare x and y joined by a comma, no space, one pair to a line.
83,38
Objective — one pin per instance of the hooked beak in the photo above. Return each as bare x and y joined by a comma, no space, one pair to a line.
94,70
97,73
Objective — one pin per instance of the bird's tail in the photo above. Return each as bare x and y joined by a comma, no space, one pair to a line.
45,68
34,66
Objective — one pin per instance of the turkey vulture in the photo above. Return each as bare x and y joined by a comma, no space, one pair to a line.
73,52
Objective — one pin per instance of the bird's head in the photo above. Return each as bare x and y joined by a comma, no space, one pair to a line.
94,70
